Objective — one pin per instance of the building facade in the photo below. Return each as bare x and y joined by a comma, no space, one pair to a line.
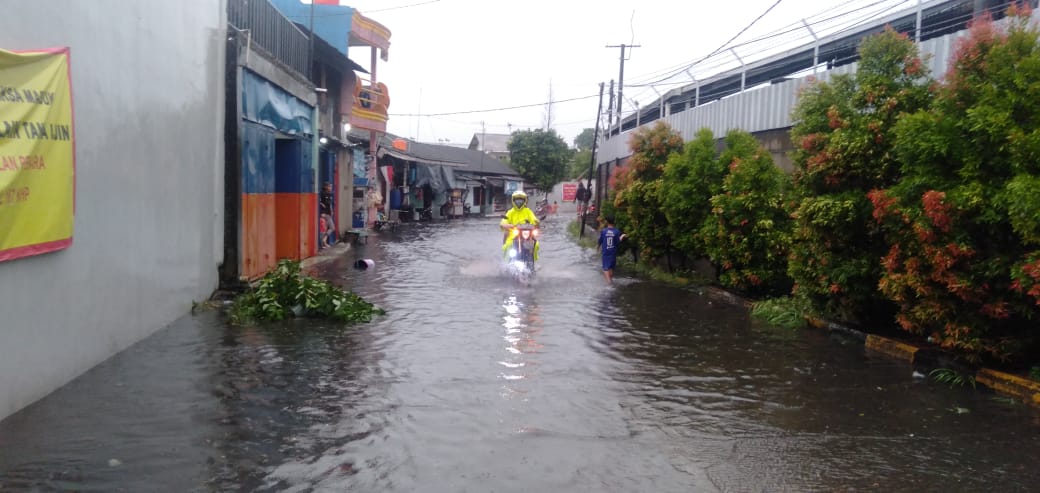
148,184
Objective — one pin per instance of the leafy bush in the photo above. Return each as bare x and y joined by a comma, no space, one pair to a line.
844,138
637,196
691,179
285,292
962,261
748,234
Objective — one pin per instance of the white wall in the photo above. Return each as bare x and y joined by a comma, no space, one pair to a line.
147,85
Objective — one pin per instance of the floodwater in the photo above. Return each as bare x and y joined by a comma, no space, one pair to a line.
474,382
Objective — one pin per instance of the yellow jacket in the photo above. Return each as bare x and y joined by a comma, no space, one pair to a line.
516,216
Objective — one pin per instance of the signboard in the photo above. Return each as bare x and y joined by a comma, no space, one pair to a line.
570,191
370,103
37,158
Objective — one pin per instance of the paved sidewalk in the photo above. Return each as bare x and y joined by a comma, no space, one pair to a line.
326,255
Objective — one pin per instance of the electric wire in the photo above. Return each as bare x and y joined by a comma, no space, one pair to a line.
844,26
723,45
727,63
791,28
449,113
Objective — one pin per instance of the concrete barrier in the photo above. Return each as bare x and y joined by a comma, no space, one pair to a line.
891,347
1005,383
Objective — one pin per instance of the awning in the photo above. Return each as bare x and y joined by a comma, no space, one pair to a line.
367,32
352,65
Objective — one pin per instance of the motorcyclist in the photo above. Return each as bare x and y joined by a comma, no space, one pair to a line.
518,214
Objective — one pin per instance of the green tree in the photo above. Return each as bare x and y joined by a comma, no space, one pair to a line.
844,137
962,264
584,140
540,156
580,162
637,199
749,233
692,178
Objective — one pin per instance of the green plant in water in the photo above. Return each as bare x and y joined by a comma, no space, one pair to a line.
784,312
951,377
285,291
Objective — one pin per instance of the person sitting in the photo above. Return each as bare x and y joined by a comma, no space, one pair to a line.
518,214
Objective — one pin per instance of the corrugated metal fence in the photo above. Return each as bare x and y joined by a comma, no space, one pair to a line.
269,29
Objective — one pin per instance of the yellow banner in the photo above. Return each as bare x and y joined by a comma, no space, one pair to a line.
37,155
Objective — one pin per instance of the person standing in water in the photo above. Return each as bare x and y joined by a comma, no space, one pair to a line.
609,238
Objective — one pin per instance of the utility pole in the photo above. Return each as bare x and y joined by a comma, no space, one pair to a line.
621,75
610,109
592,161
315,113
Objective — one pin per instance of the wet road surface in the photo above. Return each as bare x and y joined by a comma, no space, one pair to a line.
474,382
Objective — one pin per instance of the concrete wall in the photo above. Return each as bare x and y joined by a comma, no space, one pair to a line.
147,83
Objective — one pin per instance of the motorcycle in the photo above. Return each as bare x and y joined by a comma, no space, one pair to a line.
521,251
542,209
426,214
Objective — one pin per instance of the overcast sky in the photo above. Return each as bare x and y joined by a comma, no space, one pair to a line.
451,56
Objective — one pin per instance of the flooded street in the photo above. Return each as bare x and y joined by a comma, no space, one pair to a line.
473,382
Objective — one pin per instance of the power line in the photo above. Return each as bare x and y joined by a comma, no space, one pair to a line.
351,12
794,27
494,109
721,47
402,6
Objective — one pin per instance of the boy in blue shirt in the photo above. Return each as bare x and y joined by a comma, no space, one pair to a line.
609,237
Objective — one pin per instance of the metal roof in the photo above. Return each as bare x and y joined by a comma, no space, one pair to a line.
490,142
457,158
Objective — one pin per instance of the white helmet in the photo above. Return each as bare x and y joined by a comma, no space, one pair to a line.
519,199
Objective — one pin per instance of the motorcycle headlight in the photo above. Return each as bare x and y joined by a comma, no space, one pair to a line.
526,234
536,232
512,253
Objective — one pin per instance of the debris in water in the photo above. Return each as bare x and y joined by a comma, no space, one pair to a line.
114,463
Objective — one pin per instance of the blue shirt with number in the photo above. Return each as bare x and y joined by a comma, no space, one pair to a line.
608,241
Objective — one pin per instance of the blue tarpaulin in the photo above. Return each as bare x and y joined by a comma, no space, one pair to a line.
269,105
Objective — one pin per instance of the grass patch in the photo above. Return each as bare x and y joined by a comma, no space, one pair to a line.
285,292
784,312
587,241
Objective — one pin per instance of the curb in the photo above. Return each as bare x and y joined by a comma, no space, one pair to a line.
728,297
327,255
891,348
1023,389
